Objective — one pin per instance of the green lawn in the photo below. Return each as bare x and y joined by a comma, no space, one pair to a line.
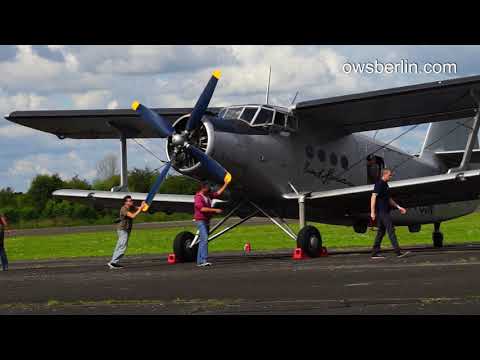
262,237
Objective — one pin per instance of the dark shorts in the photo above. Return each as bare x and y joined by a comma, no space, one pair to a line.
2,236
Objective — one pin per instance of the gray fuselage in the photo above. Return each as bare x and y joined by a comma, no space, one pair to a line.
317,159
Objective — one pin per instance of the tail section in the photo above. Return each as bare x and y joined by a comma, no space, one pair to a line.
447,138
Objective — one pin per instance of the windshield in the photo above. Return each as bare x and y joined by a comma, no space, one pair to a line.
248,113
263,117
233,113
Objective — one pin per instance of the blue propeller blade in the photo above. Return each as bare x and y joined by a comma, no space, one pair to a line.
218,173
202,102
162,126
157,185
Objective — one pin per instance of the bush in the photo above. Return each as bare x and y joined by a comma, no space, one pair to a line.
28,213
12,214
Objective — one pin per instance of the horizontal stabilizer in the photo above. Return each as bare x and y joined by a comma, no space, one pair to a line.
452,159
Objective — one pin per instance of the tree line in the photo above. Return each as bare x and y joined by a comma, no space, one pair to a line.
38,208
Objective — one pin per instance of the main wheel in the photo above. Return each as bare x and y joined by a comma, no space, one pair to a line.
310,241
437,238
181,247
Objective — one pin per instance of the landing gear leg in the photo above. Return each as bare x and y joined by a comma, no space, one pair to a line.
437,236
308,238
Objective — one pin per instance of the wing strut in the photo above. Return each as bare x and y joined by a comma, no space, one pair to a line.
123,160
464,165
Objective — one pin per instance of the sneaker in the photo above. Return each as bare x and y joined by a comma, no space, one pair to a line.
204,264
377,256
401,255
114,265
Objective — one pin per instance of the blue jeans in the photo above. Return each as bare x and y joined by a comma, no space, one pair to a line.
204,229
121,247
3,254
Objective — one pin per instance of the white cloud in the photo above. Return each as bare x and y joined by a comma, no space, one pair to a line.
112,104
92,99
87,77
66,165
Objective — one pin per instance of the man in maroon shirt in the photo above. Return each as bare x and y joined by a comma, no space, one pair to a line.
203,211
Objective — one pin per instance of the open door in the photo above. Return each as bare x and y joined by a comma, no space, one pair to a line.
375,165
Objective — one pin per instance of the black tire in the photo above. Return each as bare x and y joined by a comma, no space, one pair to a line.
181,247
437,238
310,241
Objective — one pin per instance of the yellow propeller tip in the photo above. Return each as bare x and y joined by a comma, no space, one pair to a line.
145,208
227,178
217,74
135,105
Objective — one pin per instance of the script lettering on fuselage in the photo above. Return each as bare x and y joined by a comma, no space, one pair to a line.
325,175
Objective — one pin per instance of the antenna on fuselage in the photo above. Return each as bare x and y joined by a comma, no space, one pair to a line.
268,86
294,98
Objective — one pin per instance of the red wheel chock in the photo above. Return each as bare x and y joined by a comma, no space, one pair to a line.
247,248
172,259
298,253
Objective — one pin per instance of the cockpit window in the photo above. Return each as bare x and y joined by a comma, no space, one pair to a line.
233,113
248,113
279,119
221,113
263,117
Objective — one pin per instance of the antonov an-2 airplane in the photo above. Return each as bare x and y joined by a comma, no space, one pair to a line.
306,162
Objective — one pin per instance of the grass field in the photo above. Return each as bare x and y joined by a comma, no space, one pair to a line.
261,237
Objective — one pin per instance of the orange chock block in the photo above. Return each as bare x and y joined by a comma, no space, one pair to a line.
247,248
171,259
324,251
298,254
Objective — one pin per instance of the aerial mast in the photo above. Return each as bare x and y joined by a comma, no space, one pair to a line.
268,86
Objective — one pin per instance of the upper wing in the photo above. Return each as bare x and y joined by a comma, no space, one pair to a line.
94,124
168,203
422,191
409,105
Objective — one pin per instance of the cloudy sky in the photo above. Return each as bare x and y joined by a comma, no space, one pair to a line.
98,77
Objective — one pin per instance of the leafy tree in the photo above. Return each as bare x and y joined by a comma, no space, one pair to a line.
41,189
179,185
107,184
141,180
77,183
7,197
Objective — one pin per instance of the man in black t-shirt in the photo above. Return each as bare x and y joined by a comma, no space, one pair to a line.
380,206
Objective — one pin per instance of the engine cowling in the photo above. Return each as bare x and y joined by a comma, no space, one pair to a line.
202,138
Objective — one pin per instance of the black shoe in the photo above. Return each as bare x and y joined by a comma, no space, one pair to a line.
377,256
401,255
114,265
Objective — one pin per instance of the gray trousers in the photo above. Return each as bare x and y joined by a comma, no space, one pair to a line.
385,225
122,244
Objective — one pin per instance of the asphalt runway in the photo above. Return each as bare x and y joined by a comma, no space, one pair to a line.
430,281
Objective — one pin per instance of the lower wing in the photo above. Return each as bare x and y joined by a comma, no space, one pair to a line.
168,203
422,191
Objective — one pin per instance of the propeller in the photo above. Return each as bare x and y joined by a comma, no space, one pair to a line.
164,129
213,168
161,126
203,101
156,186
